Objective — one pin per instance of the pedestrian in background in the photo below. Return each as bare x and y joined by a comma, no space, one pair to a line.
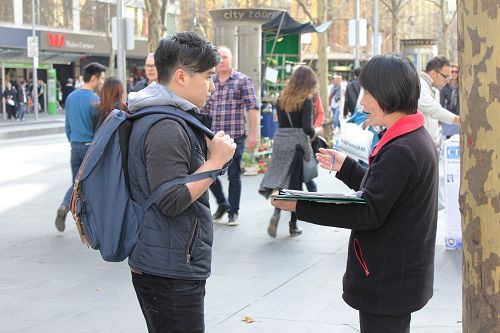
80,106
334,99
10,97
390,263
151,73
111,97
436,75
22,100
172,259
233,98
292,141
66,90
352,93
450,99
41,96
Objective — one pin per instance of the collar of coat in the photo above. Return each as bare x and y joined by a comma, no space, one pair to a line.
404,125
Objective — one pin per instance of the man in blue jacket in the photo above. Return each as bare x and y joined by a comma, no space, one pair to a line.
80,105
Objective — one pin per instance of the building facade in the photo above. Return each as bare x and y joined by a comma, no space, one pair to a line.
71,33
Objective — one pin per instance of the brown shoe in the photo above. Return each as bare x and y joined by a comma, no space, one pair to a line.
61,218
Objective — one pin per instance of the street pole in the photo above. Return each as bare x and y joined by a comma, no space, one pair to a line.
34,92
120,52
376,50
356,46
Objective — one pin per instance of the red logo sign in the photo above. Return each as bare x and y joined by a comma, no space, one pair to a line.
56,40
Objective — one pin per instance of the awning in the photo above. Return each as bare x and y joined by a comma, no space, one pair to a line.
284,24
46,57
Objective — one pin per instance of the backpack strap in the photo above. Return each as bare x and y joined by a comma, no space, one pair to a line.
182,180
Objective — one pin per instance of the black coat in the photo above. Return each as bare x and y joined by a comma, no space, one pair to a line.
390,265
351,96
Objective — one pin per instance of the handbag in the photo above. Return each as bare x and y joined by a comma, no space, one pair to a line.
356,141
309,168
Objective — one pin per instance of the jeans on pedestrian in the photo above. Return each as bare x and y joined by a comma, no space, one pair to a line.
234,176
78,151
21,109
336,117
375,323
170,305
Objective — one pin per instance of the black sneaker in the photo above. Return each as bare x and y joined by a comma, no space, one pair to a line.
233,219
219,214
61,218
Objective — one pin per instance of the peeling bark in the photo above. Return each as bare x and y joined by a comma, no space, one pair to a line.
479,200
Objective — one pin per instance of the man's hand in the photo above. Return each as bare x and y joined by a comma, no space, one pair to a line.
456,120
221,149
251,142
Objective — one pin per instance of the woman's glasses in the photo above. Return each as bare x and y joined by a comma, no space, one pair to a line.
454,72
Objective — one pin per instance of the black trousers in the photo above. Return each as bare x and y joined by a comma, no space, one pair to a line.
171,305
375,323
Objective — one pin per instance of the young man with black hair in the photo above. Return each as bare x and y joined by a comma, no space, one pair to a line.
80,105
172,258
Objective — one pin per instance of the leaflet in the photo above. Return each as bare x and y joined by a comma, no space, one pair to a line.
337,198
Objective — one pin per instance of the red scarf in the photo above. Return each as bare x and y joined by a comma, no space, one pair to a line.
403,125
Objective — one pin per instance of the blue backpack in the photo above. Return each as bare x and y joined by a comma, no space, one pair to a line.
106,216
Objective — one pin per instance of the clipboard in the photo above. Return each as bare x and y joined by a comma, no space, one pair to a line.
335,198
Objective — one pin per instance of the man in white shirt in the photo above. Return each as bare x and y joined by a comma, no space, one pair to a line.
437,73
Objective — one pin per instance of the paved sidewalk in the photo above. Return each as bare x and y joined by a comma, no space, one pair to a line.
45,124
50,282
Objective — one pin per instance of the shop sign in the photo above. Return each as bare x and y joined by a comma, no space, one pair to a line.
244,15
82,43
24,65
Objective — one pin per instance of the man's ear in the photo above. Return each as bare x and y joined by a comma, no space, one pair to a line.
180,77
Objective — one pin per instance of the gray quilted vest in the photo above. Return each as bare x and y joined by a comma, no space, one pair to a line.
175,247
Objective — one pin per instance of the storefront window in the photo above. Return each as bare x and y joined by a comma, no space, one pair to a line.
7,11
50,13
96,15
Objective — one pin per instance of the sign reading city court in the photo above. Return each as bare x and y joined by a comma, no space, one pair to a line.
244,15
81,43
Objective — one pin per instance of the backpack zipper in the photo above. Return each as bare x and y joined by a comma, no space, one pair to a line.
190,246
359,256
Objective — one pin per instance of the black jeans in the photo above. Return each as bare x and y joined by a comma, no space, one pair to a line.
234,176
375,323
171,305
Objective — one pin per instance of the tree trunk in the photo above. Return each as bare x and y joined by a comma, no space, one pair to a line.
395,33
155,24
478,47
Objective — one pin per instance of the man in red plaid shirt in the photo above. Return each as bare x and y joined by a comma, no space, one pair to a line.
234,95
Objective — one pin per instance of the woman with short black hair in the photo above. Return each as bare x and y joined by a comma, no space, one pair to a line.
390,265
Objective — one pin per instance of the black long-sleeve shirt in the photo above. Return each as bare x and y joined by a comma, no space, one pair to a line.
302,118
